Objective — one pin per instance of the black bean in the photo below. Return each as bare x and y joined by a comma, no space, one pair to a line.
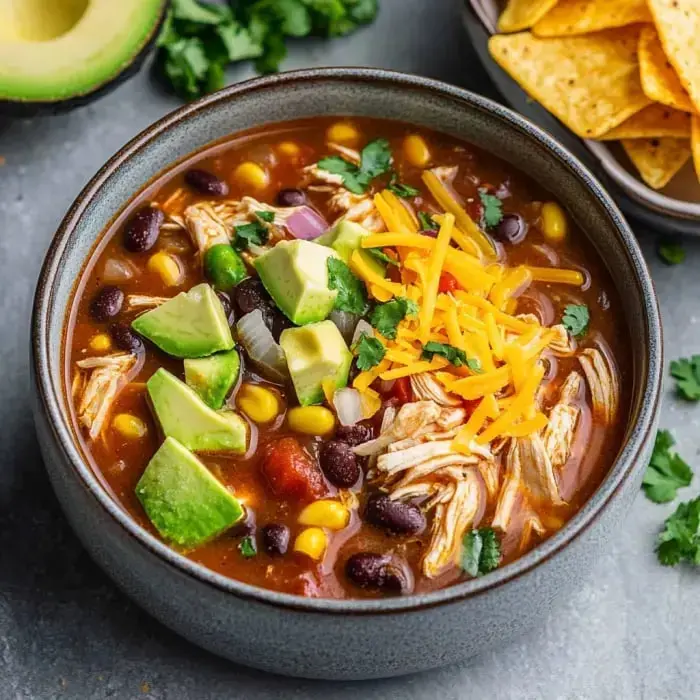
339,464
371,570
125,339
354,434
250,294
246,526
291,197
205,182
142,230
275,538
394,516
225,300
107,303
511,229
276,321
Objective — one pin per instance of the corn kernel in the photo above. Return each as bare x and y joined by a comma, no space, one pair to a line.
129,426
342,133
258,403
312,541
331,514
416,150
289,149
167,267
100,342
554,224
311,420
251,175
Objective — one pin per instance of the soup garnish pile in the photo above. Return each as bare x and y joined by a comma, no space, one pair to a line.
347,358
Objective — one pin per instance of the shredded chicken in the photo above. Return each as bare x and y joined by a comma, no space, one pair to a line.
426,388
602,381
205,227
144,301
563,344
558,436
445,173
107,376
536,470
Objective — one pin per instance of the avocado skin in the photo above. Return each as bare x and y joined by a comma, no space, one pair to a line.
213,377
22,109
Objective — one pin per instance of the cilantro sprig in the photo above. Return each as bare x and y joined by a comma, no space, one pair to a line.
481,551
686,372
380,255
666,471
369,352
454,355
351,290
576,318
680,539
386,317
400,189
492,209
427,223
247,547
254,232
375,160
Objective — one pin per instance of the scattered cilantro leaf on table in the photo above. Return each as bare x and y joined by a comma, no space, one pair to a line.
427,223
386,317
351,290
686,372
400,189
481,551
452,354
492,209
369,352
666,471
247,547
380,255
680,539
255,233
671,252
576,318
375,160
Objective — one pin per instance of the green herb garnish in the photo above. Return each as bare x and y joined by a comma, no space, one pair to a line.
380,255
686,372
492,209
386,317
369,352
680,538
671,252
247,547
400,189
576,318
481,551
454,355
266,216
255,233
375,160
666,471
351,290
427,223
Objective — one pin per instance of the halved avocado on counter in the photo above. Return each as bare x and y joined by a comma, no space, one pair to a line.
58,54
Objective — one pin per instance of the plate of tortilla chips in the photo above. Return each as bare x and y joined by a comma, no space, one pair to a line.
621,75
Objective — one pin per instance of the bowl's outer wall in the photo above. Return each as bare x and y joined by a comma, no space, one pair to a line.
329,644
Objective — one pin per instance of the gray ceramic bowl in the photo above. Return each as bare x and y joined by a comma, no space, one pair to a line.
330,638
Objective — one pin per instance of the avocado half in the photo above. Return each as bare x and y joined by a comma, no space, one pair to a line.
59,54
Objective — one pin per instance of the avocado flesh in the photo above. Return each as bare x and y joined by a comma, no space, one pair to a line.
185,417
192,324
345,238
295,274
182,498
213,377
315,353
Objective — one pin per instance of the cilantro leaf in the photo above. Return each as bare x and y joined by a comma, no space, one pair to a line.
380,255
666,471
686,372
369,351
454,355
680,538
353,179
246,234
427,223
481,551
386,317
267,216
400,189
375,160
351,290
247,547
671,252
576,318
493,209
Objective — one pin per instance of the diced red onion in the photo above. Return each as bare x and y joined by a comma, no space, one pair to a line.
348,406
261,347
306,223
346,322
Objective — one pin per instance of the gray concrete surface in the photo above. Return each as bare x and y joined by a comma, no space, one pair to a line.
632,631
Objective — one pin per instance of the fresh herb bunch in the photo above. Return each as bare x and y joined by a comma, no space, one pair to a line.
199,39
666,471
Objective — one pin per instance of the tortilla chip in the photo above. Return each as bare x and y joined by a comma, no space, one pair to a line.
695,144
591,82
657,160
571,17
654,121
659,81
678,24
522,14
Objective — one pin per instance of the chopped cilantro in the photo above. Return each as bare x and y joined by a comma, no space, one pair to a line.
427,223
386,317
666,471
671,252
576,318
369,351
246,234
267,216
351,290
375,160
400,189
493,209
686,372
680,538
481,551
380,255
247,547
454,355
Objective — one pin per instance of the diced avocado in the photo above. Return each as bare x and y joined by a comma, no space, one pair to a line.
183,499
192,324
315,353
213,377
345,238
184,416
295,273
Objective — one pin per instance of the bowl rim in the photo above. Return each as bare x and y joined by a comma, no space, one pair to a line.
623,469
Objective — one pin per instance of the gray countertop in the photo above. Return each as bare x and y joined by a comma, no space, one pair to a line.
66,632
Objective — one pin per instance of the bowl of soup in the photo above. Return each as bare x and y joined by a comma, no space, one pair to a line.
345,373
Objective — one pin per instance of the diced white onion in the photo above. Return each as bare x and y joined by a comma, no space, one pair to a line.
261,347
346,322
117,270
362,327
348,406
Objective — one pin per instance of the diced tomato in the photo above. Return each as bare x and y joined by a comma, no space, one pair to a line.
291,472
402,390
448,283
